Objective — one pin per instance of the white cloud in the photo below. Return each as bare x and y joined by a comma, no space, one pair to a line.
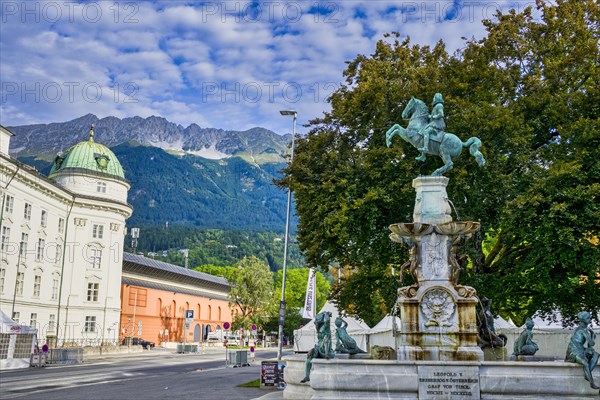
222,64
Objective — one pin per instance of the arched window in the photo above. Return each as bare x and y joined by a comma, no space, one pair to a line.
219,313
199,311
187,306
210,313
174,310
159,305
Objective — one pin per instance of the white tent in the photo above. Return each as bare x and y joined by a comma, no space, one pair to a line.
554,322
7,325
501,323
305,338
382,334
386,324
547,324
18,340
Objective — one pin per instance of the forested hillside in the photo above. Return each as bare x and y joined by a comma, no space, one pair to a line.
189,190
222,194
214,246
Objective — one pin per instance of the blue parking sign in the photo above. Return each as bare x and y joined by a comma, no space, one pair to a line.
189,314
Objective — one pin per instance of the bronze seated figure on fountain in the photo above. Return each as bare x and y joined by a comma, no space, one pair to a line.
578,353
345,343
524,345
487,336
323,348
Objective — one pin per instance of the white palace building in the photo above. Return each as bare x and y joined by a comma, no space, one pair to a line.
61,248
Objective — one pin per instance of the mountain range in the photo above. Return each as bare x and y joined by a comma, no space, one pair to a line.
203,177
256,145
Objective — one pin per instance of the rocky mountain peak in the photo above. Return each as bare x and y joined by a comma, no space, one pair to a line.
259,145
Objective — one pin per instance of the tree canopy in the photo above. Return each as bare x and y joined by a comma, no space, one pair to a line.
295,294
530,91
251,292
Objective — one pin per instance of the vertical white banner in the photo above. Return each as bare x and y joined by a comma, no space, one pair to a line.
310,303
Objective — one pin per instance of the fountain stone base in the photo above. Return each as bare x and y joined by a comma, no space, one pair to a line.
358,379
438,315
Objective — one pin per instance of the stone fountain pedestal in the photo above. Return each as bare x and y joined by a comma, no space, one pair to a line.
438,315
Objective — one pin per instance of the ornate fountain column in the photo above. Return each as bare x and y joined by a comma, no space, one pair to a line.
438,315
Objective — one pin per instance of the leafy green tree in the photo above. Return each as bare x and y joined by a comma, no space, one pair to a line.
530,91
295,287
295,293
251,292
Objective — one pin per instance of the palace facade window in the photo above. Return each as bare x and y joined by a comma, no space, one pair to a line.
27,211
92,291
9,203
95,257
39,255
20,283
54,289
23,246
37,285
97,231
5,238
90,324
44,218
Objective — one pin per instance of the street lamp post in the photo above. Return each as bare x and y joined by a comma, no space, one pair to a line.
21,251
285,246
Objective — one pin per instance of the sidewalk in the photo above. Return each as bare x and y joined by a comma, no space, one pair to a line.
155,352
271,396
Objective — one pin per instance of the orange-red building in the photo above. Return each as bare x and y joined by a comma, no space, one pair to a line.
155,296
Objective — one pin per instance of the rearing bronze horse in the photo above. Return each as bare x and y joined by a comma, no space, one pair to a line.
450,146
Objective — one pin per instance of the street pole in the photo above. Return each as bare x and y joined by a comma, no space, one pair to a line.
285,246
134,310
12,315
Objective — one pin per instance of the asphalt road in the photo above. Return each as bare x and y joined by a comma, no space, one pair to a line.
155,374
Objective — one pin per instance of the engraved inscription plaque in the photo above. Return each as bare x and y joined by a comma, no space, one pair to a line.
448,382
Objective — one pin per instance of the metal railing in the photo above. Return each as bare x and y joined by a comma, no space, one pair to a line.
69,355
237,358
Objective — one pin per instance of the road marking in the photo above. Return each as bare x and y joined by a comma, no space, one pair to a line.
24,390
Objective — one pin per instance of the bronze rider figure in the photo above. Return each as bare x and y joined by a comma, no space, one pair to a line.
436,124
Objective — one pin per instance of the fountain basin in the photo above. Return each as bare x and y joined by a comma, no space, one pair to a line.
405,229
383,379
457,228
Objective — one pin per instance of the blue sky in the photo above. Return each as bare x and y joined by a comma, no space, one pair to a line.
230,65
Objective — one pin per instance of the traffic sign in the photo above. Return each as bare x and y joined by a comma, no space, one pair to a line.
281,312
189,318
253,327
226,325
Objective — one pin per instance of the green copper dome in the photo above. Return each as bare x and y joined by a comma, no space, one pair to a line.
88,157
